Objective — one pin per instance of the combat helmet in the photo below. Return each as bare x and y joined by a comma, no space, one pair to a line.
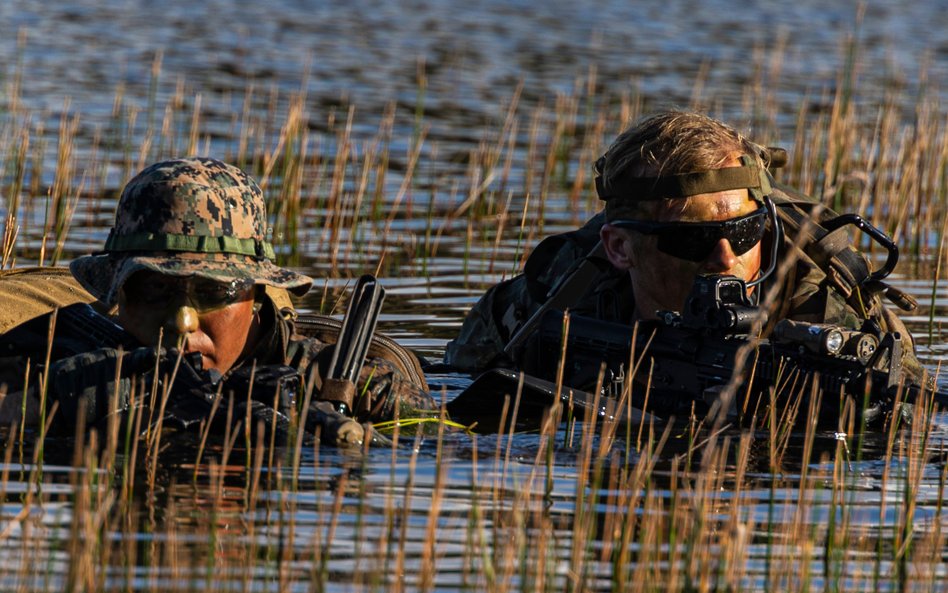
187,217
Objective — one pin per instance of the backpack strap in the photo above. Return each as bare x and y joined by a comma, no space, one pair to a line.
556,256
847,270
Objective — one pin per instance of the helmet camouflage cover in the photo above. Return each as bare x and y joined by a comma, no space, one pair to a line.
187,217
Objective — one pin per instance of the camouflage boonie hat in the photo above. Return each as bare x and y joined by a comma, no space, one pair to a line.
187,217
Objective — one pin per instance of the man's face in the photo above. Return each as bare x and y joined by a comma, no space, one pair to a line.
212,318
661,281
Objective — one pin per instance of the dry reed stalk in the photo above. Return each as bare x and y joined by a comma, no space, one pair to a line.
405,519
591,146
58,211
428,564
133,430
21,150
10,232
616,475
354,214
336,199
739,529
829,146
529,174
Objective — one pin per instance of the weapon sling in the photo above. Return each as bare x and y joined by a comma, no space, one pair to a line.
563,297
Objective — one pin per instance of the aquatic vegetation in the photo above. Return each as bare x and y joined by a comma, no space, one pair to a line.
684,511
575,506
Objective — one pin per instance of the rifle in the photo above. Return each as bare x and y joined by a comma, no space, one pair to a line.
79,328
707,357
528,401
352,345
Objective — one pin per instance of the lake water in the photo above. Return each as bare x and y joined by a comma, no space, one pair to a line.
476,123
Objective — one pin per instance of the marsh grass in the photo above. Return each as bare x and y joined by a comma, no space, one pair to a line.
686,510
350,196
581,507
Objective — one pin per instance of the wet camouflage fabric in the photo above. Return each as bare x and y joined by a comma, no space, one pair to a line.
86,381
807,296
187,217
383,392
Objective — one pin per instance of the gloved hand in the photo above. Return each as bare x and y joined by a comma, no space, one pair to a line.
334,427
339,430
96,377
191,390
190,376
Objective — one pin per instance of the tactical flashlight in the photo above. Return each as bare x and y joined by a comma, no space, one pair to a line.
815,337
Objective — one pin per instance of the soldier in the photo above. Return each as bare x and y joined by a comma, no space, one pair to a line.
684,195
188,268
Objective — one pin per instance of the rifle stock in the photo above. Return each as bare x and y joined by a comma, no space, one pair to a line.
79,328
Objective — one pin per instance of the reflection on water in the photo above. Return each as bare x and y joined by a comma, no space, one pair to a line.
477,510
431,84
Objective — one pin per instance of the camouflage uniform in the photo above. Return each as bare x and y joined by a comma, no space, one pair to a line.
809,294
199,217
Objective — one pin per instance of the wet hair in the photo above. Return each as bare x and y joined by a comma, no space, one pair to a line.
673,143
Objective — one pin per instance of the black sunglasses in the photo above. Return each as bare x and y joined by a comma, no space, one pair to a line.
203,294
694,241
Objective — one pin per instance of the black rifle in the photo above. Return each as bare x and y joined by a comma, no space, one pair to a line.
79,328
352,345
706,357
528,400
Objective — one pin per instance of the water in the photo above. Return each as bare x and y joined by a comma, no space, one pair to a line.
352,514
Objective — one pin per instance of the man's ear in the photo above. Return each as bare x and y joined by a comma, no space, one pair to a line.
618,246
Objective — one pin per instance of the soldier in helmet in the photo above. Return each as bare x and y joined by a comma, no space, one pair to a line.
684,195
188,269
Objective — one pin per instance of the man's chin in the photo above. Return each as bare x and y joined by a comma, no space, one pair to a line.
208,363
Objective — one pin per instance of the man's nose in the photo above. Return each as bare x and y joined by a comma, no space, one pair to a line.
182,320
721,259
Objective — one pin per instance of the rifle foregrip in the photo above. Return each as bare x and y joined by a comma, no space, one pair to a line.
338,391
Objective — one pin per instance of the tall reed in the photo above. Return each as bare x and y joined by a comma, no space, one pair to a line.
678,507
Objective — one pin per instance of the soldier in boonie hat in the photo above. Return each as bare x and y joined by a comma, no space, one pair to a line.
188,267
187,257
187,217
